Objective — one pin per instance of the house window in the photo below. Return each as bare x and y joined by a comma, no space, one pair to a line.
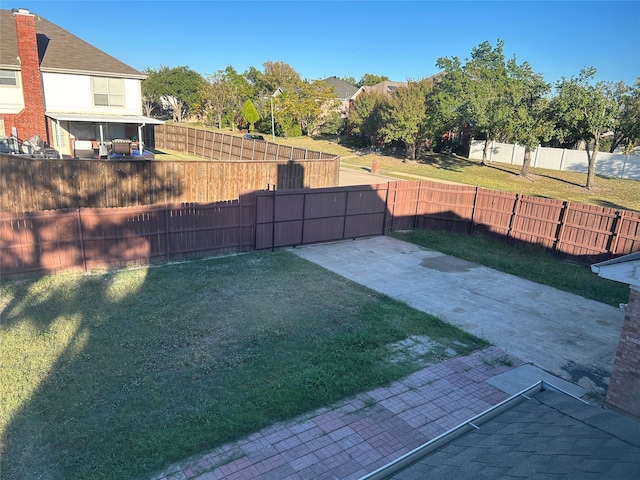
108,92
8,77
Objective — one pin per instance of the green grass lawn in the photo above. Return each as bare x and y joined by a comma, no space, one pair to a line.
118,375
608,192
531,263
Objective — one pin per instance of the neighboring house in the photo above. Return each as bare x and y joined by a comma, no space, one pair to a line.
385,88
66,91
344,93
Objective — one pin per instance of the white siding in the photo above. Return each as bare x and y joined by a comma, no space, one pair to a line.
11,98
73,94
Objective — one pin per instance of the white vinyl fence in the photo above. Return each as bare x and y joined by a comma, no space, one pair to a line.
607,164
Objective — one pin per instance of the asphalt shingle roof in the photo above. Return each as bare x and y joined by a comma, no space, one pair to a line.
60,50
343,89
552,435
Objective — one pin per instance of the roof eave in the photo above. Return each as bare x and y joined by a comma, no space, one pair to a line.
135,76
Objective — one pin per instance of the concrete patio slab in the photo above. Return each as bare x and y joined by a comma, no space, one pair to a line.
564,334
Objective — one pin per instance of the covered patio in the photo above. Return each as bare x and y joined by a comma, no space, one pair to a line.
76,135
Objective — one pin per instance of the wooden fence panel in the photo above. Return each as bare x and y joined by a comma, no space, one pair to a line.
42,241
587,229
536,220
404,200
627,238
493,212
123,236
446,207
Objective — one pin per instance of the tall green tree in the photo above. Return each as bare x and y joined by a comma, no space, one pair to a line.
349,80
584,110
364,116
250,114
178,87
528,92
478,90
150,93
277,75
404,116
316,99
370,79
626,126
225,93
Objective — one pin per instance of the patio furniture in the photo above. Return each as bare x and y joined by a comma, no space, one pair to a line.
121,146
83,149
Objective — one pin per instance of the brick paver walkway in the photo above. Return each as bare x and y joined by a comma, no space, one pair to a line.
356,436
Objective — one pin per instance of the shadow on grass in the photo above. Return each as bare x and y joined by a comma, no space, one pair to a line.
452,163
119,375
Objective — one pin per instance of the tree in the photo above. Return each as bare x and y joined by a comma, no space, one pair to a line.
369,79
178,87
349,80
333,124
364,116
626,127
250,114
527,92
478,91
584,111
225,93
277,74
316,99
150,97
404,116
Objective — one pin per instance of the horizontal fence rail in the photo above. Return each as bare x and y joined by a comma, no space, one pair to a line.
88,238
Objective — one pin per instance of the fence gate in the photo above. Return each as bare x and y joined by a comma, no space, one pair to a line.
296,217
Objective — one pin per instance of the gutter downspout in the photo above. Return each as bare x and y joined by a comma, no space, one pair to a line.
59,138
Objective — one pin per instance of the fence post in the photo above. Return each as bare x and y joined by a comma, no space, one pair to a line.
516,206
386,209
415,215
473,211
186,140
166,231
273,221
615,235
564,150
561,227
84,257
204,142
513,152
213,144
230,145
535,158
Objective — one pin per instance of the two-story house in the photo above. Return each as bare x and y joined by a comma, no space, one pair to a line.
72,95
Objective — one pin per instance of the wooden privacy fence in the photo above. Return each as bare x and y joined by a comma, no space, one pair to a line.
220,146
88,238
28,184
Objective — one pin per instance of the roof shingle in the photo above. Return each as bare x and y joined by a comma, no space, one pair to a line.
60,51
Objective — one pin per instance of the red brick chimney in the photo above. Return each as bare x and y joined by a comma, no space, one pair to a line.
31,121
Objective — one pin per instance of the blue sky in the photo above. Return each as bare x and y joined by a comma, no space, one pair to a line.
399,39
